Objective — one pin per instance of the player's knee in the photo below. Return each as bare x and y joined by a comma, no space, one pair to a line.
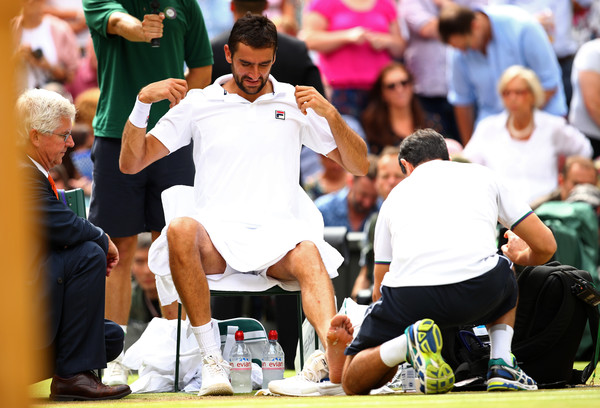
182,230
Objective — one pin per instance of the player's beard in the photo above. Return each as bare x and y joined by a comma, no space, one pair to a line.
239,81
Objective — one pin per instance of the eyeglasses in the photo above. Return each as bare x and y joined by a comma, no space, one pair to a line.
404,83
65,136
517,92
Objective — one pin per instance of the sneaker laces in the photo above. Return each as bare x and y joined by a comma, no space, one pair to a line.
216,365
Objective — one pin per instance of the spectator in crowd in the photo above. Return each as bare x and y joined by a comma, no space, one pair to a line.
524,144
556,16
249,213
351,206
585,104
46,46
575,171
86,76
71,11
144,296
75,258
80,155
284,13
331,179
425,57
387,176
438,265
393,112
487,41
122,31
354,41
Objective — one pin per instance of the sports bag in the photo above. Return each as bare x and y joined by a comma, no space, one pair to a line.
555,303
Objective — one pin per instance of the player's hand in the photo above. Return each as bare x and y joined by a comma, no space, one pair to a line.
173,89
515,248
309,97
152,26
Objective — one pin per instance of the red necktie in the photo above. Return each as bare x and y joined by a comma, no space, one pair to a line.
53,186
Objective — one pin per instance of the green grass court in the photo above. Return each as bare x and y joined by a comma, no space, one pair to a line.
588,396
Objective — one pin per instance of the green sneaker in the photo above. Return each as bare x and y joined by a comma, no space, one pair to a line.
504,377
424,354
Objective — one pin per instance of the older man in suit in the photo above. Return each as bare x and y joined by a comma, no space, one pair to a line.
74,263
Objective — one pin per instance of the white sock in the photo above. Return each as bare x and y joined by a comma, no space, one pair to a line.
206,339
501,338
393,352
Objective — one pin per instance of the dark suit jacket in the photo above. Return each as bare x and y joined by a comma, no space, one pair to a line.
292,65
61,229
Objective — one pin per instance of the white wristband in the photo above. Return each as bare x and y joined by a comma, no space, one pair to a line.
139,114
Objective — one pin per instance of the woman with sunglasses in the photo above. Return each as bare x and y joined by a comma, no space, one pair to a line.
393,112
524,144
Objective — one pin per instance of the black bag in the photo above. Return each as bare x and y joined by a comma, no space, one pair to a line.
555,303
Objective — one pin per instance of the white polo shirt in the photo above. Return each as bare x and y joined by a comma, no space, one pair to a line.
438,226
247,159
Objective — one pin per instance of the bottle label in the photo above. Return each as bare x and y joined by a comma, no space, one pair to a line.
241,364
273,364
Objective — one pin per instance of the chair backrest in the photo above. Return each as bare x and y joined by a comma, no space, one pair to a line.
255,335
74,199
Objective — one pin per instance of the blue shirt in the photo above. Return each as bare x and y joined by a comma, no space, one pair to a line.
334,207
517,39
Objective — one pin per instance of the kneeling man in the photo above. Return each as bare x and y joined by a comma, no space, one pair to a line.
436,262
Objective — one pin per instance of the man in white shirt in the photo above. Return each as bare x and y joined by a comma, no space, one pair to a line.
250,212
436,260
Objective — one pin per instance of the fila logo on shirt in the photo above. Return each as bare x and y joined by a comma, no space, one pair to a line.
279,114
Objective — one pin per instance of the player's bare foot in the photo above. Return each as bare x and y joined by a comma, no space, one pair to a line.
339,336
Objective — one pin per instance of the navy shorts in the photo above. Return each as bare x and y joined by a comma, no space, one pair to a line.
127,204
480,300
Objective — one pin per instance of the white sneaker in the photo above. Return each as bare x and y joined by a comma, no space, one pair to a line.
306,382
215,376
116,372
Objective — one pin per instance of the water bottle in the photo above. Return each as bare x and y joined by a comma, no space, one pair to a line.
273,364
241,365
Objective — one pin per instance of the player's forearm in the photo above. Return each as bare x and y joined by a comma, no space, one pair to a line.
126,26
352,149
133,148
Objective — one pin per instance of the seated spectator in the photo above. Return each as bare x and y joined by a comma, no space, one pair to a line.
331,179
585,104
354,41
486,42
393,112
83,138
388,175
576,170
144,296
86,76
47,47
351,206
77,259
523,144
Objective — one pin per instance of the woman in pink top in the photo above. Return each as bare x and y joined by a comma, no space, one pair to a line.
355,39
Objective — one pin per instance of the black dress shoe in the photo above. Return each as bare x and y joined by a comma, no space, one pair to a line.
83,387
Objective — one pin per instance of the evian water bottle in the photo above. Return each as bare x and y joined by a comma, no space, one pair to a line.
241,365
272,360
